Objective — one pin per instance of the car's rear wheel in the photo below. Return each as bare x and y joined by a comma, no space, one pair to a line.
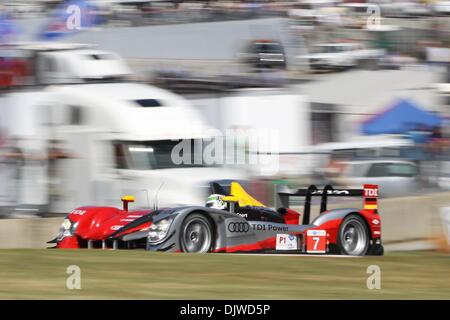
353,237
196,234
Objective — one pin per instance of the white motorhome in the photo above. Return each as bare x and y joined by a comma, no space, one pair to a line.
362,148
117,138
366,147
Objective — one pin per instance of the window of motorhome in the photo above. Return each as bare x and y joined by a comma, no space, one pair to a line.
152,155
366,153
148,103
389,152
304,6
360,10
357,170
346,154
392,170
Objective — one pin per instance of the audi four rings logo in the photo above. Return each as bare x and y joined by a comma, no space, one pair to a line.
238,227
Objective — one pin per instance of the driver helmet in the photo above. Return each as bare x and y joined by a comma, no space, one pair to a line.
215,201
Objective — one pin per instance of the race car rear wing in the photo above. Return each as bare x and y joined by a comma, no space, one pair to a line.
369,194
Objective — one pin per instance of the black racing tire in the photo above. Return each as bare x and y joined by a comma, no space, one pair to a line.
376,250
353,236
196,234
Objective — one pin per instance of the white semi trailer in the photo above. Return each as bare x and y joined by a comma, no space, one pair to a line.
281,120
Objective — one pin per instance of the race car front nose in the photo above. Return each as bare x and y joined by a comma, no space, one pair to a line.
67,229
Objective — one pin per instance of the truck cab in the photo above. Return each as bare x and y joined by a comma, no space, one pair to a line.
63,63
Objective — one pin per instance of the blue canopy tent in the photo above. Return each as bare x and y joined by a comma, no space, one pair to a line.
403,117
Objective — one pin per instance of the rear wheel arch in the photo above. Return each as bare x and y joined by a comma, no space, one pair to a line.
363,218
340,245
373,248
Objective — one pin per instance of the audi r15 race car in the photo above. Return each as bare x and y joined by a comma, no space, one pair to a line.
233,221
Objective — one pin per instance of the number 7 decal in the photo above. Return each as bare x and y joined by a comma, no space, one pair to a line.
316,241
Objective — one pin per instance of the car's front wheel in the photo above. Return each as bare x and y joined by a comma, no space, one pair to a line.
196,234
353,237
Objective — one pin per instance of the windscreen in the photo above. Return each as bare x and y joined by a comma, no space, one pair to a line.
268,48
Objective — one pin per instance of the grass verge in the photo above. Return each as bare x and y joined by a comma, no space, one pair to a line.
120,274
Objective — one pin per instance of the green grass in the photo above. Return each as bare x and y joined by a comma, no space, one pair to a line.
41,274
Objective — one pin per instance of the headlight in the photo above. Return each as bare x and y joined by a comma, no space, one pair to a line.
158,231
67,229
66,225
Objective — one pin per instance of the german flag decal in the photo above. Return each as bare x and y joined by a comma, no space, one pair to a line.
370,197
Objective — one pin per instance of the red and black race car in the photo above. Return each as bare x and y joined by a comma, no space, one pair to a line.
233,221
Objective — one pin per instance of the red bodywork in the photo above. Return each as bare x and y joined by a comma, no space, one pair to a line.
98,223
332,226
291,217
